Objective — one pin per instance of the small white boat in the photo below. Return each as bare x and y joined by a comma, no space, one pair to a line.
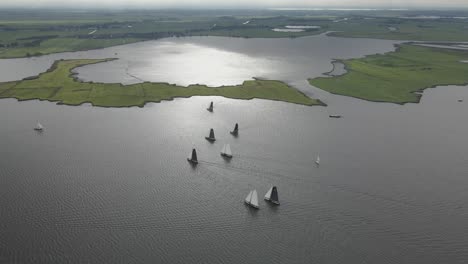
226,151
272,195
252,199
38,127
193,157
317,161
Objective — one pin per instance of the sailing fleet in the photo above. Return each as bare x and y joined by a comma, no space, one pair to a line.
252,197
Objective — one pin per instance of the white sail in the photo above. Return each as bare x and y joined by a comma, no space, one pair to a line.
227,151
317,160
268,194
248,198
39,126
223,150
254,199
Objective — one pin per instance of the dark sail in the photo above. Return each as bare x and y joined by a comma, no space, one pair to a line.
210,108
236,129
194,155
211,138
274,195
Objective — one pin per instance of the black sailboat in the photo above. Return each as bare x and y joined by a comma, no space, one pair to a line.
210,108
193,158
211,137
235,132
272,195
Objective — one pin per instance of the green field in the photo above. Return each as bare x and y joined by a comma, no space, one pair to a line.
58,85
396,77
403,29
37,32
24,34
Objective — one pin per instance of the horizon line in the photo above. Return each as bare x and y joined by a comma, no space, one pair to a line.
317,8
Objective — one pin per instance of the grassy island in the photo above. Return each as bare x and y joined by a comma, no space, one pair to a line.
59,85
398,76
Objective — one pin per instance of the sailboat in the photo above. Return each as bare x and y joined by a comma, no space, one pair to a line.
272,195
252,199
193,158
38,127
211,137
317,161
226,151
235,132
210,108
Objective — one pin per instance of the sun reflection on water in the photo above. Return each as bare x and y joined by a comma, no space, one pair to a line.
200,65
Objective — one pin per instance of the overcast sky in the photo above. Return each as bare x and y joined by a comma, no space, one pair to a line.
237,3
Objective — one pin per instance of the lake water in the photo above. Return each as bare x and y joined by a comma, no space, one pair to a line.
106,185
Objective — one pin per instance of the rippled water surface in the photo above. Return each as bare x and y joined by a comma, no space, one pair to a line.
113,185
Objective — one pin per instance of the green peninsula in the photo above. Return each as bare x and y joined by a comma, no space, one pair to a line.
59,85
399,76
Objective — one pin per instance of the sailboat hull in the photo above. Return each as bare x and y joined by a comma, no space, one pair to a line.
251,205
192,161
273,202
226,155
210,139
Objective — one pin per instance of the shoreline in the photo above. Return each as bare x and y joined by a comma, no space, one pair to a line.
417,93
162,38
159,91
